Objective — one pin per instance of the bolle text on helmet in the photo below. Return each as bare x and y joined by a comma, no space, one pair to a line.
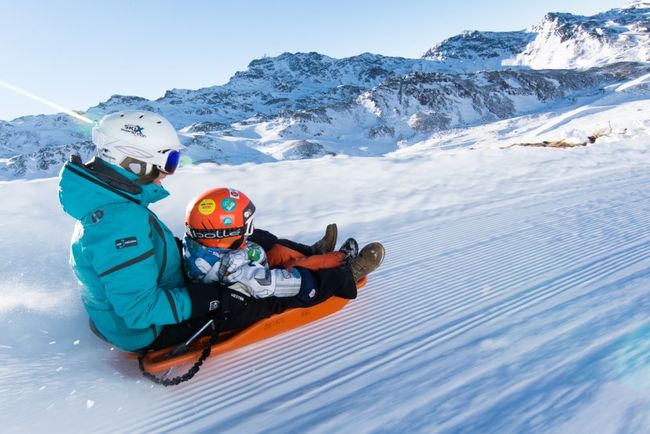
213,234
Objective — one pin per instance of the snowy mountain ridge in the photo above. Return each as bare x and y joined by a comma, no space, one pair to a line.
307,105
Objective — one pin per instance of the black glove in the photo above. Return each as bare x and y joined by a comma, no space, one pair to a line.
231,308
206,298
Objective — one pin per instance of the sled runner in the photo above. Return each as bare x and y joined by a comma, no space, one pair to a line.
159,361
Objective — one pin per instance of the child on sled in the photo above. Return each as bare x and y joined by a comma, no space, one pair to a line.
219,246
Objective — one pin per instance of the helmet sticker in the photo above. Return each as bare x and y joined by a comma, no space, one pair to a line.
254,253
136,130
228,204
234,193
226,220
206,206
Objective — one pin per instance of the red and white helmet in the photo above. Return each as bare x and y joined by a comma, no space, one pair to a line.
220,218
138,141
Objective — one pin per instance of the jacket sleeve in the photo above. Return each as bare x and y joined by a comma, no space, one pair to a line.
122,252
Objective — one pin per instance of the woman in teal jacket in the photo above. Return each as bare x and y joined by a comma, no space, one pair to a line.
127,260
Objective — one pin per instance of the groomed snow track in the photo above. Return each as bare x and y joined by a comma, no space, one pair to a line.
500,317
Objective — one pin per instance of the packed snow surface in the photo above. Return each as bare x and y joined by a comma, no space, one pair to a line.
513,298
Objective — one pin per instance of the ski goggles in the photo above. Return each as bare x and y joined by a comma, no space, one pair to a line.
168,161
213,234
231,238
216,234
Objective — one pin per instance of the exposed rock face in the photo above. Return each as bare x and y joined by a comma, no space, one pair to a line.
472,51
46,161
312,105
570,41
305,149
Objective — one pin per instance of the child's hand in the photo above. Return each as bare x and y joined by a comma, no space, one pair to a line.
253,278
211,272
232,266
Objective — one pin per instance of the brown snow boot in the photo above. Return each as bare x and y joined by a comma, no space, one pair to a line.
369,259
327,243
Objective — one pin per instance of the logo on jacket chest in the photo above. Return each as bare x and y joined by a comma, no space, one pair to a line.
126,242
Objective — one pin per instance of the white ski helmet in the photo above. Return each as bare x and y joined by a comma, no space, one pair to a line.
138,141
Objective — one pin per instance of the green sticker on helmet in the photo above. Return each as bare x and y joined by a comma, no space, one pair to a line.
228,204
254,253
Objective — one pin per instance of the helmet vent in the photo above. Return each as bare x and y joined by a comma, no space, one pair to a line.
159,122
141,116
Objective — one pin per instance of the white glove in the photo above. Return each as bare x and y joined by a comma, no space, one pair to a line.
212,275
231,267
257,279
211,272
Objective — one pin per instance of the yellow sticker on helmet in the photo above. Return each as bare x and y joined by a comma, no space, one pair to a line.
206,206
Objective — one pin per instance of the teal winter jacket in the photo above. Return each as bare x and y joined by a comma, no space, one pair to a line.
125,258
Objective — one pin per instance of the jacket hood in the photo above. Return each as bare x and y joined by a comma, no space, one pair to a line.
85,187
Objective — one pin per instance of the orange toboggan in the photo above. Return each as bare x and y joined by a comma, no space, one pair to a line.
164,359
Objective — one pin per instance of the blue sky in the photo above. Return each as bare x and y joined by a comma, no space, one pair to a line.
79,53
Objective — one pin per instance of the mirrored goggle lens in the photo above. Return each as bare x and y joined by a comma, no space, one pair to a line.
173,158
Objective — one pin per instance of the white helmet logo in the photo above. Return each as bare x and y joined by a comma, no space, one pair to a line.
136,130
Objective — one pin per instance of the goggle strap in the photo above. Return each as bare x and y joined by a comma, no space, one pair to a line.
213,234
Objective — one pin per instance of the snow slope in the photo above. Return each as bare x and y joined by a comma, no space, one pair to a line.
513,298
